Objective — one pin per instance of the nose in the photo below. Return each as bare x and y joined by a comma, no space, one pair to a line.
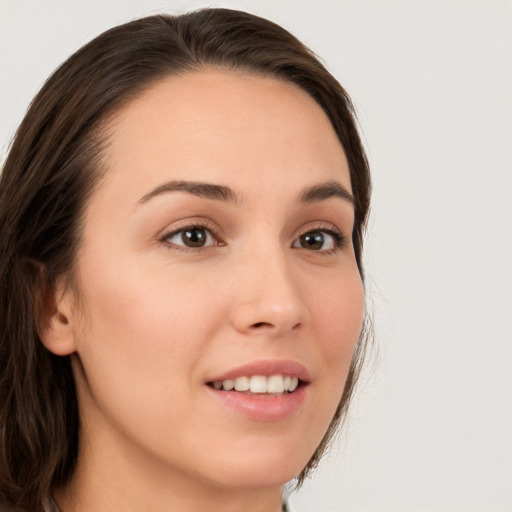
268,298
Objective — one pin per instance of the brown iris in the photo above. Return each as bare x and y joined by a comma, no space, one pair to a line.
194,237
314,240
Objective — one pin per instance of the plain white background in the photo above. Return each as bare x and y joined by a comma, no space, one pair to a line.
431,429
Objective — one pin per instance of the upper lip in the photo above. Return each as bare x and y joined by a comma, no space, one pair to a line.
266,368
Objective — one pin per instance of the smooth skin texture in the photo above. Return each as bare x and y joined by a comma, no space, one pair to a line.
157,319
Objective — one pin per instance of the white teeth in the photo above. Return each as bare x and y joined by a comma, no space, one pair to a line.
242,384
275,384
228,385
258,384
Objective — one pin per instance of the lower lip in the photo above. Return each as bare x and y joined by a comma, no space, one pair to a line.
261,407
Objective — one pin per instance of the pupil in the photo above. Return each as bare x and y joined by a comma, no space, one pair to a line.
194,237
313,241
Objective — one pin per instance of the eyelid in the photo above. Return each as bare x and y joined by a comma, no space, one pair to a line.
332,230
319,226
191,223
340,239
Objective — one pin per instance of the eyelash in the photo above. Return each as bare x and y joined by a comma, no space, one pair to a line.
339,240
204,226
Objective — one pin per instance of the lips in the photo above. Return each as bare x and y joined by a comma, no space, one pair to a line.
266,368
268,390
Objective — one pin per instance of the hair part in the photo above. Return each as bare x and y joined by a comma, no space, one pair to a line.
54,165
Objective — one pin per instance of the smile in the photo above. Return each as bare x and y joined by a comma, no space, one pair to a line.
259,384
263,390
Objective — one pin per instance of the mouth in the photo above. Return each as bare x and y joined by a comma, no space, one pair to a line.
268,390
259,385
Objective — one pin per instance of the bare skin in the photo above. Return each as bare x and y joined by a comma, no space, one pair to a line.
266,274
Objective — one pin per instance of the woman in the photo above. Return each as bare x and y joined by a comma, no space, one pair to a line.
182,300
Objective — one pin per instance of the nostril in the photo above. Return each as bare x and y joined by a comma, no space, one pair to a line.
261,324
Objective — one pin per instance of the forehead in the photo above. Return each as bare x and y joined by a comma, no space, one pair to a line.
224,126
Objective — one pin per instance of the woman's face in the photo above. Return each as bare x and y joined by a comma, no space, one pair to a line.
217,248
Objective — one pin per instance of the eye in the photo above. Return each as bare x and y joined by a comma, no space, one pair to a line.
320,240
192,237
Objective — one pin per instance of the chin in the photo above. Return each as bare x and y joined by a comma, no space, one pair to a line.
257,470
256,478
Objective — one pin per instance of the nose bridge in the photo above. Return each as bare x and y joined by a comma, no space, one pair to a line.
269,298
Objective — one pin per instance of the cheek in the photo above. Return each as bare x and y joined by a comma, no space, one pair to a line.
150,302
337,312
143,329
338,323
339,318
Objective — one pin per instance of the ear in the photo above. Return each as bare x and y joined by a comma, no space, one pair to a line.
57,316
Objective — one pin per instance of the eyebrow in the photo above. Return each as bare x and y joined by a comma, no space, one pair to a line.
205,190
323,191
312,194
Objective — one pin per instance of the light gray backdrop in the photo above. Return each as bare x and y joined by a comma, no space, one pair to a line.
432,82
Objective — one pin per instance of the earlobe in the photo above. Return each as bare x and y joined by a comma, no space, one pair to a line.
55,325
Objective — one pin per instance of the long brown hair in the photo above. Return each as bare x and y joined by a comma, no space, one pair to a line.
53,166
